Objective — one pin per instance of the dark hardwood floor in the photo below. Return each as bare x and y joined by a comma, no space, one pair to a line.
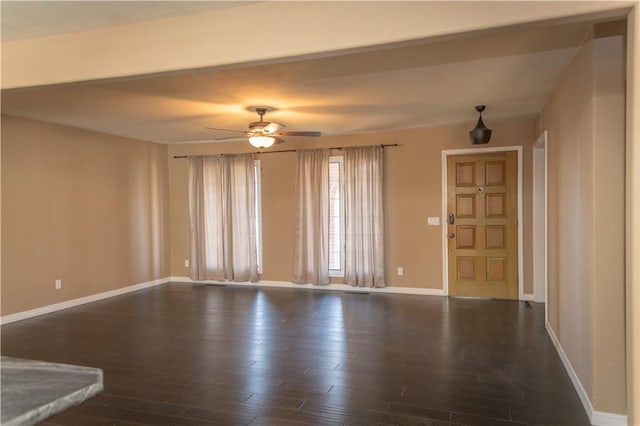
212,355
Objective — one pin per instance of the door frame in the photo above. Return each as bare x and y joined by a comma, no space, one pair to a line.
540,219
445,252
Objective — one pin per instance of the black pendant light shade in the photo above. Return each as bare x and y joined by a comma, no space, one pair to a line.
480,134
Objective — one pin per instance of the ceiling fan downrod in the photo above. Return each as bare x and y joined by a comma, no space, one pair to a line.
261,112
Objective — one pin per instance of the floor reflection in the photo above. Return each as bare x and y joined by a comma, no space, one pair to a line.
233,355
301,341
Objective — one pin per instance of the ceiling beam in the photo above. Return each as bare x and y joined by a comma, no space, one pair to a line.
261,32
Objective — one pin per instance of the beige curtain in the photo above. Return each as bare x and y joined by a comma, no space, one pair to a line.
311,246
222,218
364,216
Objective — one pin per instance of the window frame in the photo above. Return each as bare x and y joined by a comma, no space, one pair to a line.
338,159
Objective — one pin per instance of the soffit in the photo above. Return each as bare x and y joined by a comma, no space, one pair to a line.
423,83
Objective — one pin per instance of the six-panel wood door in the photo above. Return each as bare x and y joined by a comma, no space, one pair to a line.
483,239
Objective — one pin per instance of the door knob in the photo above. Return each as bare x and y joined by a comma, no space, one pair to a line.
451,235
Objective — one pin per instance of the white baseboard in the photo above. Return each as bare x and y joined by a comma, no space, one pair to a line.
600,418
597,418
330,287
80,301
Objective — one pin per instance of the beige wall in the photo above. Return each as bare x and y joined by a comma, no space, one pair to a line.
585,123
88,208
413,191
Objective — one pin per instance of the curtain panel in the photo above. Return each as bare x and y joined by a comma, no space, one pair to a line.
311,245
364,216
222,218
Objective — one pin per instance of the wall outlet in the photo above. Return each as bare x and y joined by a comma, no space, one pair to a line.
58,284
400,271
186,263
433,221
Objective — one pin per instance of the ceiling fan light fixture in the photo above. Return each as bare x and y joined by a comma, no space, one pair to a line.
262,141
263,134
480,134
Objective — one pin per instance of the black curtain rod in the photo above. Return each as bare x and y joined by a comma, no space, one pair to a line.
284,150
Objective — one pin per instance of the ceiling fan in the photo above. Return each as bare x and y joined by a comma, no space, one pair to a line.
263,134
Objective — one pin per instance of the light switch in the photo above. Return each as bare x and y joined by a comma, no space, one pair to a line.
400,271
433,221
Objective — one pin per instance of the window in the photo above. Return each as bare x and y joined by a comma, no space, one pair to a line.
258,212
224,219
340,218
336,217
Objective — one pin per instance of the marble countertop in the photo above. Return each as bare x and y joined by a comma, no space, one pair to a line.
34,390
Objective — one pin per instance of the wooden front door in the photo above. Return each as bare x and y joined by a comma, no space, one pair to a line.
482,227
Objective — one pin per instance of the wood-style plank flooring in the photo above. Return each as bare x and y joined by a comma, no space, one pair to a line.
212,355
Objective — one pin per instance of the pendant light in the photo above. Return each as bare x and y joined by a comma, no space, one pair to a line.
480,134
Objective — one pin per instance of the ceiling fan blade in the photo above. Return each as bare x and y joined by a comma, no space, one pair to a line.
273,127
225,130
311,134
278,140
237,138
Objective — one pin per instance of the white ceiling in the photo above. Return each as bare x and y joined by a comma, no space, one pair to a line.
26,19
423,83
